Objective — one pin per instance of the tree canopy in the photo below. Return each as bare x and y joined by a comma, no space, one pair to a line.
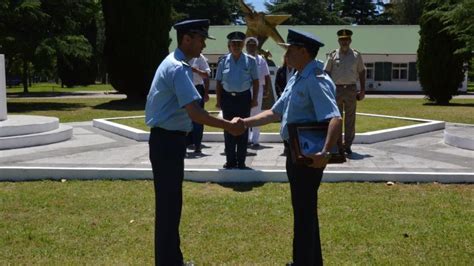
306,12
440,64
33,31
137,40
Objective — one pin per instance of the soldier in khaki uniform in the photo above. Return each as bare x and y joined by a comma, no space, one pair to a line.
345,66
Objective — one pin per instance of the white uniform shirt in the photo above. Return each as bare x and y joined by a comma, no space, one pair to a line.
201,64
263,70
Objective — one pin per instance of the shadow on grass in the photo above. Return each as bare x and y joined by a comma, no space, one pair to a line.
242,187
23,107
122,105
40,94
450,104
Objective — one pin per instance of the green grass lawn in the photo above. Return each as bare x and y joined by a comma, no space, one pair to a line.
111,222
470,86
69,110
364,124
43,88
75,110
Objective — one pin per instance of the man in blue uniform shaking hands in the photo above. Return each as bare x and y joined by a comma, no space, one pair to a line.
309,96
171,105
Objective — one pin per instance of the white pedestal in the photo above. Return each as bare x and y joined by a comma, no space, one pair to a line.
3,90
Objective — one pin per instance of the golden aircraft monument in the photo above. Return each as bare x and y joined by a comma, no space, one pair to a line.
262,26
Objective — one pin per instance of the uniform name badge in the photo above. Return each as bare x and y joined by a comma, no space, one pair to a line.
309,138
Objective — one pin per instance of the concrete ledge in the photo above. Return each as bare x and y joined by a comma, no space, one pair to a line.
62,133
398,132
27,124
460,137
425,125
225,176
107,124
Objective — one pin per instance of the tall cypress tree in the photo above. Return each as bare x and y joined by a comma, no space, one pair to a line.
439,67
137,40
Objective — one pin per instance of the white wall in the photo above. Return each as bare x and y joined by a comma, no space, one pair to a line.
396,85
3,90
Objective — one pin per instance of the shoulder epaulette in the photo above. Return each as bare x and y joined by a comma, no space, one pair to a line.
319,72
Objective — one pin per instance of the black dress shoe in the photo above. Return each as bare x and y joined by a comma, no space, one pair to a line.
228,166
348,150
342,151
242,166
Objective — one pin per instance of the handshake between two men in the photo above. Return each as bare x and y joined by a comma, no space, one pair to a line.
319,160
237,126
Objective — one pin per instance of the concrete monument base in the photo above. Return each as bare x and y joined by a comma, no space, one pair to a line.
460,136
20,131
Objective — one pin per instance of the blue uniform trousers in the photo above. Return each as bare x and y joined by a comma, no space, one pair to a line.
236,105
304,184
167,151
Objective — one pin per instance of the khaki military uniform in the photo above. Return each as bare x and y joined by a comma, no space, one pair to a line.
344,70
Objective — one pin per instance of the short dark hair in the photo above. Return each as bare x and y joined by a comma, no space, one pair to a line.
180,35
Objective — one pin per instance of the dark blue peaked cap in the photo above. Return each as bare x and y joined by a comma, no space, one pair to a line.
236,36
302,38
199,26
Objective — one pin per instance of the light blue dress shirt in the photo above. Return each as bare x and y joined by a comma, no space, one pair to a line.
172,88
309,96
237,76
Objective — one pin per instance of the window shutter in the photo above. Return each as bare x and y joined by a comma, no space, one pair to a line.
387,71
378,71
412,74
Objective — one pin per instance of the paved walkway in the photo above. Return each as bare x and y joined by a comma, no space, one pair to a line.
420,158
114,94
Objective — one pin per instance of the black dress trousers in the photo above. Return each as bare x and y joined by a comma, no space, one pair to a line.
167,152
304,184
236,105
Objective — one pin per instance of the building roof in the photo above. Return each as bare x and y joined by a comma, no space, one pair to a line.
369,39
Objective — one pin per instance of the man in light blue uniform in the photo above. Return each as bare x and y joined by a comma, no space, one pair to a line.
309,96
171,105
236,75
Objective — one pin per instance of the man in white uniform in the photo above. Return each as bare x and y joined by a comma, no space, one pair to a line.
251,44
201,72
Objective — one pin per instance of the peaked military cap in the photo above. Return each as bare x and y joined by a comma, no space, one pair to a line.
302,38
236,36
199,26
344,33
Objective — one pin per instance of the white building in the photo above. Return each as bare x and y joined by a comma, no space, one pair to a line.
389,52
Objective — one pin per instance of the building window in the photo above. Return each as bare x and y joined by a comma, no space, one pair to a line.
400,71
369,74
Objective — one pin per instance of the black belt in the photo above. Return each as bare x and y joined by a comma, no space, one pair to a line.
345,85
234,93
166,131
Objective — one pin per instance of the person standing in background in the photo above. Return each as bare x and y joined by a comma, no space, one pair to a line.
264,80
283,74
236,76
345,66
201,72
